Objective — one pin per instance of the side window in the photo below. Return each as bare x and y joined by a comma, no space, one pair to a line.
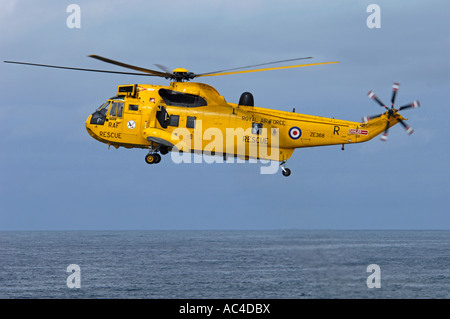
257,128
175,98
119,109
133,107
190,122
174,120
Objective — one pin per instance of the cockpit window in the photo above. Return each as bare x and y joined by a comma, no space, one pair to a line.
116,109
99,116
103,108
175,98
100,107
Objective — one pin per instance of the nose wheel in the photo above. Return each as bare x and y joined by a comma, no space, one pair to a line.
284,170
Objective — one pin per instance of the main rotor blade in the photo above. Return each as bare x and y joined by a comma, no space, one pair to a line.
372,95
266,69
407,106
78,69
251,66
395,87
129,66
163,67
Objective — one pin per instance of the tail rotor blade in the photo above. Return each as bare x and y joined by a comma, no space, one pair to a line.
414,104
395,87
366,119
408,128
372,95
384,136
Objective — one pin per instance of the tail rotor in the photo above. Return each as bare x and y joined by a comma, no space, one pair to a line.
391,112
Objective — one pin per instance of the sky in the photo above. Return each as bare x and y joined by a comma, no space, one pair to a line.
54,176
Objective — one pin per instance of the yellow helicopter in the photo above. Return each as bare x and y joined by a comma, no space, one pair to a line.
190,117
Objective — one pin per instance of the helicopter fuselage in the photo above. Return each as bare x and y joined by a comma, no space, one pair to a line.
194,117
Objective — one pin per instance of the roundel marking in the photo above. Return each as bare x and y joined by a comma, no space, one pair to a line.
295,133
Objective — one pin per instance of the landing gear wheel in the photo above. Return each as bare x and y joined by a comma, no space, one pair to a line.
152,158
286,172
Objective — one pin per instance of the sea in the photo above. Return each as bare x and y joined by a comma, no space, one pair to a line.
272,264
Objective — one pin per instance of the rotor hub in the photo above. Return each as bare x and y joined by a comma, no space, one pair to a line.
180,70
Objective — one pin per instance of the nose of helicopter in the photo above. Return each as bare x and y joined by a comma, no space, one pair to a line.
91,127
88,126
